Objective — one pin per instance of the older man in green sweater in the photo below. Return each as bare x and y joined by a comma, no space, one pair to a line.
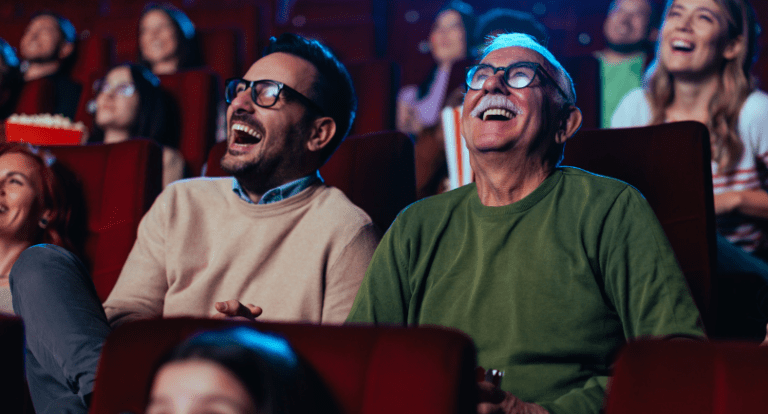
550,270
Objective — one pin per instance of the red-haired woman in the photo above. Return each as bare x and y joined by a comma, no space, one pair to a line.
33,209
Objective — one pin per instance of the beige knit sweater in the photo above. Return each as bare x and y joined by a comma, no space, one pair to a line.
300,259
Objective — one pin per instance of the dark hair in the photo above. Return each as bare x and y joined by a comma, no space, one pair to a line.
510,21
68,35
12,79
468,20
55,197
276,378
152,119
188,49
332,90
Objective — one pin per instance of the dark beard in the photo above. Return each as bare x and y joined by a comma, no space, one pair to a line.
261,175
627,48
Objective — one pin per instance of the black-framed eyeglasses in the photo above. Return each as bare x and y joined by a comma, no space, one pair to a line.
265,92
517,75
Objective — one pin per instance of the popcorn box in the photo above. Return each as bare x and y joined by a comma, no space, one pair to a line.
40,135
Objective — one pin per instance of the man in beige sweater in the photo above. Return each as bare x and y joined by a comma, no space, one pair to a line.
272,241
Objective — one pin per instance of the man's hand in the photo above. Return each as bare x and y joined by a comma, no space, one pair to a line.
495,401
234,309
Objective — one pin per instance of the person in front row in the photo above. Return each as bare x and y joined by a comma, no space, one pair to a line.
549,269
273,236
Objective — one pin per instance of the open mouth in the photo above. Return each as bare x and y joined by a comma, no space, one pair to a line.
245,135
682,45
497,114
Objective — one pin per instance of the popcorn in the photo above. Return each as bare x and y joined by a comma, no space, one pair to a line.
47,121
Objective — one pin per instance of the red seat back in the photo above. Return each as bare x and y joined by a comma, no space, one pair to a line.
585,71
376,86
670,165
36,97
375,171
687,377
195,95
367,370
120,182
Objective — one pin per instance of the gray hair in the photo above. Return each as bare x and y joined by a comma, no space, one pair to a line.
562,77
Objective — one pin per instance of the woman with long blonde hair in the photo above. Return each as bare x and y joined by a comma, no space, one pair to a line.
702,73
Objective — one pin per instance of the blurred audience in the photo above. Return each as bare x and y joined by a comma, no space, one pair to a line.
130,104
630,30
498,21
47,50
418,107
34,208
237,371
168,42
702,73
11,81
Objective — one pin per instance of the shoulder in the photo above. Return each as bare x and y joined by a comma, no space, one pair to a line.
753,118
206,190
595,188
633,110
337,210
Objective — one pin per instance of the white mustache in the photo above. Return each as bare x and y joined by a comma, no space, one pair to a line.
495,101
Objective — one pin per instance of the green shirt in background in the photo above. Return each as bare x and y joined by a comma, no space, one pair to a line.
616,80
549,287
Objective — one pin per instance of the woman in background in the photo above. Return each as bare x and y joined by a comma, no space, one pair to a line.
34,208
236,371
168,42
130,104
702,73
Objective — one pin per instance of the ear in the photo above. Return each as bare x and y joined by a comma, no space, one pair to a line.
571,122
45,218
323,130
653,35
66,50
733,48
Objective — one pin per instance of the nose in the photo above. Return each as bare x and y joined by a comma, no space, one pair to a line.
242,102
684,23
495,84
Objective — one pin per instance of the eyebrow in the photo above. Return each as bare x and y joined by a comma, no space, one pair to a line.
699,8
19,173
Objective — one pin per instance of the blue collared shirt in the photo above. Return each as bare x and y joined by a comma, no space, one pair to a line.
279,193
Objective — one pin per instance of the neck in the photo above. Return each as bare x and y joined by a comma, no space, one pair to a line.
112,136
611,56
502,180
166,67
255,188
11,251
38,70
692,97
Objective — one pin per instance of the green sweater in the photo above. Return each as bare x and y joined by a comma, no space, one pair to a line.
549,287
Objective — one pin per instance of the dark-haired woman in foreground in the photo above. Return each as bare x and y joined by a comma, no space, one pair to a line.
236,371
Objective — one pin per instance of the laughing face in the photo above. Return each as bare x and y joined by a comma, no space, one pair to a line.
20,197
694,38
157,37
41,40
498,118
268,145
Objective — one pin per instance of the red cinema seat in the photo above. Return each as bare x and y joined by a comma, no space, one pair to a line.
585,71
376,85
223,51
375,171
36,97
195,94
367,370
689,377
669,164
119,182
13,385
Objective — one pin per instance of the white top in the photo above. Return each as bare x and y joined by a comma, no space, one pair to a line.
634,110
